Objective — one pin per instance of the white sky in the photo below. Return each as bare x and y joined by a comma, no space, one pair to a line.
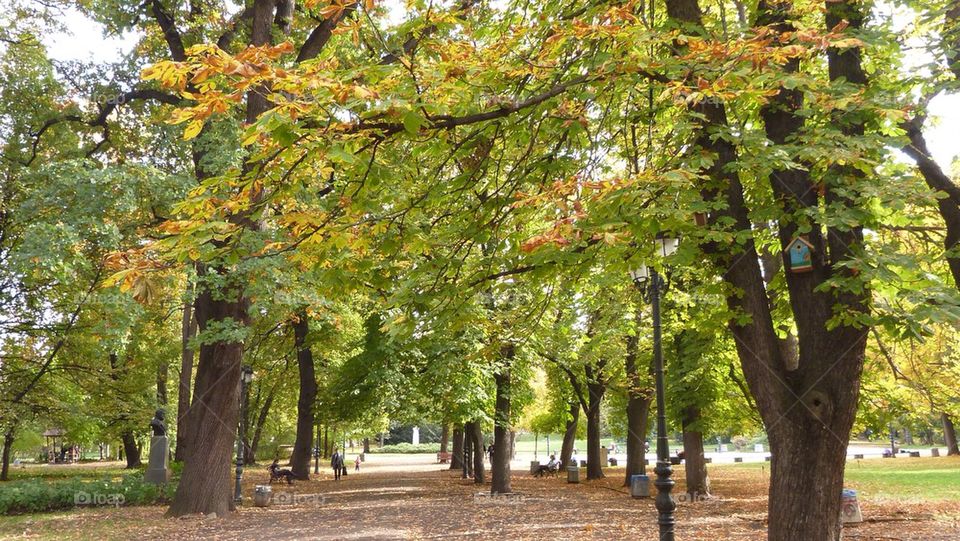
85,41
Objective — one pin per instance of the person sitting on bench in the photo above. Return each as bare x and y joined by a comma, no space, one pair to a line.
553,466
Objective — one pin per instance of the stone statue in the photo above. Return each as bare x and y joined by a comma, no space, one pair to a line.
159,429
158,470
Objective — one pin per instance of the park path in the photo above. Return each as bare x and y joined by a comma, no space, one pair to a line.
411,497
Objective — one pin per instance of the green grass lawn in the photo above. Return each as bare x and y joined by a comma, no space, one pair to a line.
928,479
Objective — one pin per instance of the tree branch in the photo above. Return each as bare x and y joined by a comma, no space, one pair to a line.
322,33
106,108
170,33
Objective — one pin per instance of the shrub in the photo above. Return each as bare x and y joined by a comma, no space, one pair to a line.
408,448
37,495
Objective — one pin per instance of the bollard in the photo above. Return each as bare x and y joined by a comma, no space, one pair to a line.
640,486
573,474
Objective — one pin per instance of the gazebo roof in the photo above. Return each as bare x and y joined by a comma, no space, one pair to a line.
54,432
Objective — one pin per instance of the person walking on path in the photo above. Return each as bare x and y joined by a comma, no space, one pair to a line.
356,464
336,462
490,452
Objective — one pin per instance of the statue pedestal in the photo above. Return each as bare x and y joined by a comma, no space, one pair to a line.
158,469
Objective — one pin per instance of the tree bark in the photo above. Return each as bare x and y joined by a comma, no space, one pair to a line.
212,421
808,412
211,426
500,468
188,328
300,461
251,456
467,452
326,442
949,435
163,373
456,454
8,438
475,437
131,450
366,445
570,434
638,408
444,437
594,466
698,483
938,180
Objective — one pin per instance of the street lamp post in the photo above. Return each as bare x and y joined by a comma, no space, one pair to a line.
653,285
246,376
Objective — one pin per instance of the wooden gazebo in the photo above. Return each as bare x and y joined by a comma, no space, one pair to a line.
54,438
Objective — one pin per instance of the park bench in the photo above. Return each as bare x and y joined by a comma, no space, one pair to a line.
544,469
443,457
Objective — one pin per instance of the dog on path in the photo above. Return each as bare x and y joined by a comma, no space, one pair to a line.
277,473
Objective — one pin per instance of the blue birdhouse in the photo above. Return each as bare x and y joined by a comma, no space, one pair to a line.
801,255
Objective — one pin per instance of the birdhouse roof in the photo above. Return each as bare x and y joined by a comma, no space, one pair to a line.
800,239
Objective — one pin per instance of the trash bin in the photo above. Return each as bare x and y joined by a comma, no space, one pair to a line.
262,495
934,452
573,474
613,461
850,508
640,486
534,466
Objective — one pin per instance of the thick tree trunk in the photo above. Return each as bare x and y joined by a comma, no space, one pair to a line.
808,411
206,482
949,435
594,466
300,461
638,408
366,445
475,438
806,482
456,454
500,468
638,416
131,450
444,437
698,483
188,328
570,434
8,438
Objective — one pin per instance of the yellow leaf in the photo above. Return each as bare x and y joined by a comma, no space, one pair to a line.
192,130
